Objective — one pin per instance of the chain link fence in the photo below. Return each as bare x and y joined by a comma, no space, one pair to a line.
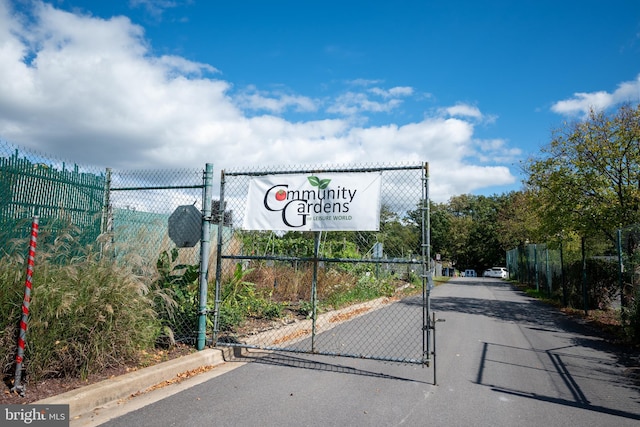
359,294
583,273
139,206
123,215
629,276
539,266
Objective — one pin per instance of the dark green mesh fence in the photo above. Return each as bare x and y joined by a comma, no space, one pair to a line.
61,196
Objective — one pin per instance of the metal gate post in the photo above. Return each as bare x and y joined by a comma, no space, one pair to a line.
204,255
104,225
433,326
435,380
426,268
314,288
218,292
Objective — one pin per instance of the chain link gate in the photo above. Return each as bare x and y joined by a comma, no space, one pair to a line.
360,294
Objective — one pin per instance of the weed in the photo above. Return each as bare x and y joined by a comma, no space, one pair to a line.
175,295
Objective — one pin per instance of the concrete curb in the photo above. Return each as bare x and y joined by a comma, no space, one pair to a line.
86,399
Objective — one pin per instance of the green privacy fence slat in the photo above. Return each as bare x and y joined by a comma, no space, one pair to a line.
55,193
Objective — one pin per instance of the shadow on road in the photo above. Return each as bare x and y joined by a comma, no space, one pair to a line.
289,360
574,404
524,310
571,369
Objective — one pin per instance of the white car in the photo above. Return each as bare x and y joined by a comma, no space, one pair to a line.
499,272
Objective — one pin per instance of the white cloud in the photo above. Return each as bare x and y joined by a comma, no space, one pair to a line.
582,102
352,103
494,151
373,100
364,82
274,102
464,179
468,112
394,92
91,91
154,7
180,65
463,110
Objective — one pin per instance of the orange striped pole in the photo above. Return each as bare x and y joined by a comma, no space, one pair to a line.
17,383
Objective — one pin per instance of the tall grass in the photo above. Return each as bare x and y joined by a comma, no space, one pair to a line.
631,320
366,288
241,299
175,295
269,291
336,286
87,312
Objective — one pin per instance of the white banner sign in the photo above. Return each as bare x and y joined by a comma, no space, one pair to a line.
331,201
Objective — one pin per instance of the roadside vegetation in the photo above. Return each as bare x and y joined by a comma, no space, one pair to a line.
90,312
86,314
583,193
581,197
276,291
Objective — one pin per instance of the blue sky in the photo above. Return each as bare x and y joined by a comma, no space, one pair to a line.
472,87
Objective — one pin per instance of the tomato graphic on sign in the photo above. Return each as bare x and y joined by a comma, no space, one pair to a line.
281,195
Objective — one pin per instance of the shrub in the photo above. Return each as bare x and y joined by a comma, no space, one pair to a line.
632,318
602,284
86,314
367,288
238,299
11,292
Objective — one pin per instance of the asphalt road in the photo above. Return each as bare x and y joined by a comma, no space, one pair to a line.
503,359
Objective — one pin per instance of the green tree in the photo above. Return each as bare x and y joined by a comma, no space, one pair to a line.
440,230
440,223
588,177
400,237
517,219
484,239
461,221
473,238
